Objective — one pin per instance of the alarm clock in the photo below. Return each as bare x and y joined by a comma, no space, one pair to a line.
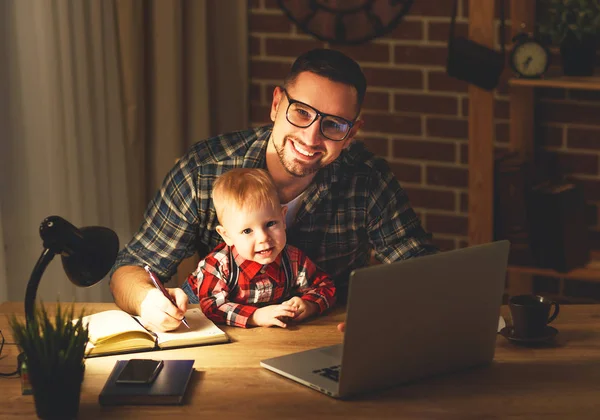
529,58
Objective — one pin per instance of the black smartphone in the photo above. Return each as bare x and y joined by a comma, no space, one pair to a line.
140,371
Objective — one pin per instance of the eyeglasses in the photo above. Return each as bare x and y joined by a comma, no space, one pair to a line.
302,115
1,342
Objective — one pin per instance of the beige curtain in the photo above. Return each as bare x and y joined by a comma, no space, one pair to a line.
99,99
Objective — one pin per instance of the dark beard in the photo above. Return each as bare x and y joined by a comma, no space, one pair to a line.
289,167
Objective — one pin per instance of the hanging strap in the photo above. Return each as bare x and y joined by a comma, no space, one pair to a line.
453,21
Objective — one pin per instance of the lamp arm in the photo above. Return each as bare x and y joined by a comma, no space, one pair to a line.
34,281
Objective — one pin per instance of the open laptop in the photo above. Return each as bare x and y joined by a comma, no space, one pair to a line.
409,320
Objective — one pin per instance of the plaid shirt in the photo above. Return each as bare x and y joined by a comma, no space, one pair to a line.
230,288
354,205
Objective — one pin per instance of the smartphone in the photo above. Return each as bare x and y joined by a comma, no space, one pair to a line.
140,371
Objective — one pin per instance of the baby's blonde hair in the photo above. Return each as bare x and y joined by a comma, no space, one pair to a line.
246,188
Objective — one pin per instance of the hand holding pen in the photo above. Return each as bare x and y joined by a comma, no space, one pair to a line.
158,284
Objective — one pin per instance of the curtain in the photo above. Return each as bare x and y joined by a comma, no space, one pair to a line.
99,100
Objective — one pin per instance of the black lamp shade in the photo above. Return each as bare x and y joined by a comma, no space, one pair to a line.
87,255
89,264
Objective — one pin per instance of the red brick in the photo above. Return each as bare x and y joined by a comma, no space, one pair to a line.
405,172
465,8
550,93
408,30
501,109
394,78
430,199
464,107
550,136
395,124
425,55
581,138
255,94
440,31
260,114
464,153
426,150
272,4
258,22
254,45
253,4
290,47
379,53
450,128
464,202
502,132
442,223
591,189
377,145
573,113
441,8
578,163
426,104
444,244
268,70
447,176
440,81
377,101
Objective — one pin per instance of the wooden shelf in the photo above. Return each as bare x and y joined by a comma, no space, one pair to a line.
590,272
561,82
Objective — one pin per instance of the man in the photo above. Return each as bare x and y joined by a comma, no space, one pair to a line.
342,202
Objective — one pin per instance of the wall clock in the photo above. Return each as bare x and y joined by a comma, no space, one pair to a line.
346,21
529,58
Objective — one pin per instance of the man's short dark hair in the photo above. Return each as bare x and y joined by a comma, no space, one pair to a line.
332,64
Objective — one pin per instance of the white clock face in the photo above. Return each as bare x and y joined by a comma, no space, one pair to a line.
530,59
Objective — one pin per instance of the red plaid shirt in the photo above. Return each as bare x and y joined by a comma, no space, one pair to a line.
230,288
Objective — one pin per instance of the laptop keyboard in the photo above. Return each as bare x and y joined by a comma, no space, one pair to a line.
332,372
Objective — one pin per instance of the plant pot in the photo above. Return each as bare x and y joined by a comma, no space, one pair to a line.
578,56
56,394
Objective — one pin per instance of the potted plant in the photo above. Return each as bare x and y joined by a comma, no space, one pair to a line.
54,352
574,25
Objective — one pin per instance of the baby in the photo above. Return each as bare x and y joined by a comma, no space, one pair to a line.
254,278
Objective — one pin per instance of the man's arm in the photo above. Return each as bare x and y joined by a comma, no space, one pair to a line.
134,292
167,235
394,229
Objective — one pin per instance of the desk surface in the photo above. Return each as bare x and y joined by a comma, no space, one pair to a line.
562,381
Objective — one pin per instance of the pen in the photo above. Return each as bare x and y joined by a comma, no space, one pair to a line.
158,284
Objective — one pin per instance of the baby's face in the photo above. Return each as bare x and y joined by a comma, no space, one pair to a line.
257,234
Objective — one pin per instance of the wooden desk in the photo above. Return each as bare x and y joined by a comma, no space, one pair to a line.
562,381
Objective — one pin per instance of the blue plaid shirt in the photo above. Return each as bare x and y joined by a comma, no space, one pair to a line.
353,206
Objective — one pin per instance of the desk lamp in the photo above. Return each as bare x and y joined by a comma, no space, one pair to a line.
87,255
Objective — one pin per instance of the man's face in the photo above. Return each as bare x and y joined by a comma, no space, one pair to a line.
257,234
303,151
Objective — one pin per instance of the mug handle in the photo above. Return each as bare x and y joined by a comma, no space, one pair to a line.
555,313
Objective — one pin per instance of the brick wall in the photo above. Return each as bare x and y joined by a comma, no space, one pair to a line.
416,116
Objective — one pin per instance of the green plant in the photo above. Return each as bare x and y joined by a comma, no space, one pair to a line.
559,19
54,350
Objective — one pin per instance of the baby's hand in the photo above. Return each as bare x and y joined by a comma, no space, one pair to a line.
273,315
303,308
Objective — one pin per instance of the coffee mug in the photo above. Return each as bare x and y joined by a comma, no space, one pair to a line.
531,314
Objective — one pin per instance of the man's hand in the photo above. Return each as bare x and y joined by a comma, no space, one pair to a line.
303,308
272,315
159,314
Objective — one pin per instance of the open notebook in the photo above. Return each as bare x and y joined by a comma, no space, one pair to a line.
115,331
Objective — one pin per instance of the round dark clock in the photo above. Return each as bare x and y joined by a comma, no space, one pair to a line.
346,21
529,58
